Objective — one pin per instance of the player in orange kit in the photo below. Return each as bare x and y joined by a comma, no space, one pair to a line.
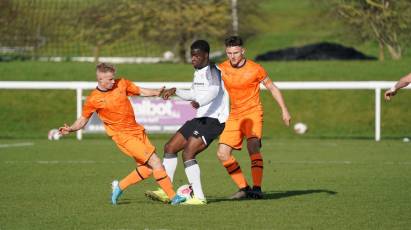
242,78
110,101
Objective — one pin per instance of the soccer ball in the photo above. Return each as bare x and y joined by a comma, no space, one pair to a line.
185,191
168,55
54,135
300,128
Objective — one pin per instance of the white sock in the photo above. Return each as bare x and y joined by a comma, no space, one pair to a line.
170,164
193,175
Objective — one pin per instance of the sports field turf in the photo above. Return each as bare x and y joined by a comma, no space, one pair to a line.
309,184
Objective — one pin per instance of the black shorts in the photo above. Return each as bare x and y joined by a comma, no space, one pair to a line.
205,127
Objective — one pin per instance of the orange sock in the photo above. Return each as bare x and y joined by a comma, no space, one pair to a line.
257,168
233,168
164,181
137,175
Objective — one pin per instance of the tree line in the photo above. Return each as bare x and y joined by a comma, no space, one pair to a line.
386,22
98,23
176,23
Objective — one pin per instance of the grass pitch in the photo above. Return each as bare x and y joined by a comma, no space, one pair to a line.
309,184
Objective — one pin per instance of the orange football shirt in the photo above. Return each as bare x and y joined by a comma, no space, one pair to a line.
243,86
114,108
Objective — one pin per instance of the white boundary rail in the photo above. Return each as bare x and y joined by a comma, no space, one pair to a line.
79,86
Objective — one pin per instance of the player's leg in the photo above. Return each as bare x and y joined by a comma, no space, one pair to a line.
193,147
253,146
163,180
233,168
141,172
232,138
206,129
142,151
173,146
252,127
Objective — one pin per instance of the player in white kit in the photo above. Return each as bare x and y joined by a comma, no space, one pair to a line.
208,96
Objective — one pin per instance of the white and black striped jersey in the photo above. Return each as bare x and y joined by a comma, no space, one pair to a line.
208,90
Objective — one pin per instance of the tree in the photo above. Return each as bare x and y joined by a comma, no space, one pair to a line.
388,22
104,23
179,22
21,28
250,14
7,13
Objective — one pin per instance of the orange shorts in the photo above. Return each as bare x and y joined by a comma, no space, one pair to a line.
136,146
248,125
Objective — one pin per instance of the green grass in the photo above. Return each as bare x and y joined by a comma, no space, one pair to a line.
279,71
334,177
329,114
291,23
309,184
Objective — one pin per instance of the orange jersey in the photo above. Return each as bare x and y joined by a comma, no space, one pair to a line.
243,86
114,108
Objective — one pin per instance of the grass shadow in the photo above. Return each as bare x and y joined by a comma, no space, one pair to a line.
275,195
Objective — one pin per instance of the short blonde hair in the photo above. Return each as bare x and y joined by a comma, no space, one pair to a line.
105,67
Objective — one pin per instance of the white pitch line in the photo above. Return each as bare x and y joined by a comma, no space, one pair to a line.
16,145
312,162
339,162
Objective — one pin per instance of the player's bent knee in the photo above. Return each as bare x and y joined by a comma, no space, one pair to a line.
144,172
154,161
253,145
223,156
188,156
167,148
224,152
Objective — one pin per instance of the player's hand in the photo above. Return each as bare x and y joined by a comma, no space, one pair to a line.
161,91
168,92
286,117
64,130
195,104
389,93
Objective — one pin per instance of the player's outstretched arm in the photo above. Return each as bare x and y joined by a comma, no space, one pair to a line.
77,125
403,82
168,93
145,92
279,98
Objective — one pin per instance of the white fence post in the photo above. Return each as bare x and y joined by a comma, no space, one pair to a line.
79,94
377,114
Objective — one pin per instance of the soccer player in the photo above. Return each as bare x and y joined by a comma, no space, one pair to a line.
242,78
110,101
403,82
208,96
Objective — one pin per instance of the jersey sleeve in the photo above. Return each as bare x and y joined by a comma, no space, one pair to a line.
214,76
187,95
131,88
210,96
88,108
262,74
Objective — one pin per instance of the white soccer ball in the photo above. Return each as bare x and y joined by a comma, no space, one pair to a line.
168,55
185,191
54,135
300,128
